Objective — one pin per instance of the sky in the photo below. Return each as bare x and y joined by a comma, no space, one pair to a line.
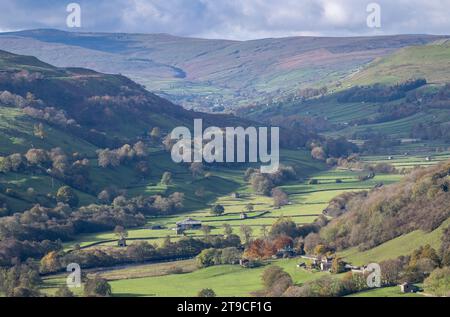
232,19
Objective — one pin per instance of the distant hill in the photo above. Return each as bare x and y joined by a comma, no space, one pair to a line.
211,74
111,104
431,62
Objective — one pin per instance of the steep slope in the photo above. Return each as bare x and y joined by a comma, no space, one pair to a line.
80,111
419,202
211,73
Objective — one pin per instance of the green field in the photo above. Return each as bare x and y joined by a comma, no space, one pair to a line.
403,245
393,291
226,280
429,61
306,203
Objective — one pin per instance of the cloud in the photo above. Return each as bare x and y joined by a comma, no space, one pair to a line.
232,19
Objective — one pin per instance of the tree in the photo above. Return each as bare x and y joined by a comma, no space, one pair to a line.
272,274
438,283
36,156
261,184
311,241
68,196
391,272
39,131
208,257
249,207
337,266
143,169
5,164
206,292
108,158
227,230
140,149
50,263
155,134
206,231
97,287
196,169
284,226
282,241
318,153
280,198
166,178
120,232
246,232
320,249
217,210
264,231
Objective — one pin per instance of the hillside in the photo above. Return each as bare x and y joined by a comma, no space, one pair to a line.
208,74
412,115
418,202
79,112
431,62
106,103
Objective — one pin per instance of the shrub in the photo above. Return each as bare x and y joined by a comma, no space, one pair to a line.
206,292
97,287
217,210
438,283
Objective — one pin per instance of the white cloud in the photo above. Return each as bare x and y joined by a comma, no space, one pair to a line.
233,19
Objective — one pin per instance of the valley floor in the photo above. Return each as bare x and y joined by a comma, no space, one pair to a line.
307,203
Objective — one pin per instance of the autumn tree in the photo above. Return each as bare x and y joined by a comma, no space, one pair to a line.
318,153
108,158
50,263
337,266
280,198
36,156
68,196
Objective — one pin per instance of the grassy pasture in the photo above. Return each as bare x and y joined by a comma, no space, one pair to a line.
394,248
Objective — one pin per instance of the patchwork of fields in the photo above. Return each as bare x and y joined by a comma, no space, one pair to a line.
307,202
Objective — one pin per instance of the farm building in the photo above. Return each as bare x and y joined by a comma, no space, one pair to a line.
122,243
286,252
408,288
321,263
189,224
325,265
243,216
235,195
